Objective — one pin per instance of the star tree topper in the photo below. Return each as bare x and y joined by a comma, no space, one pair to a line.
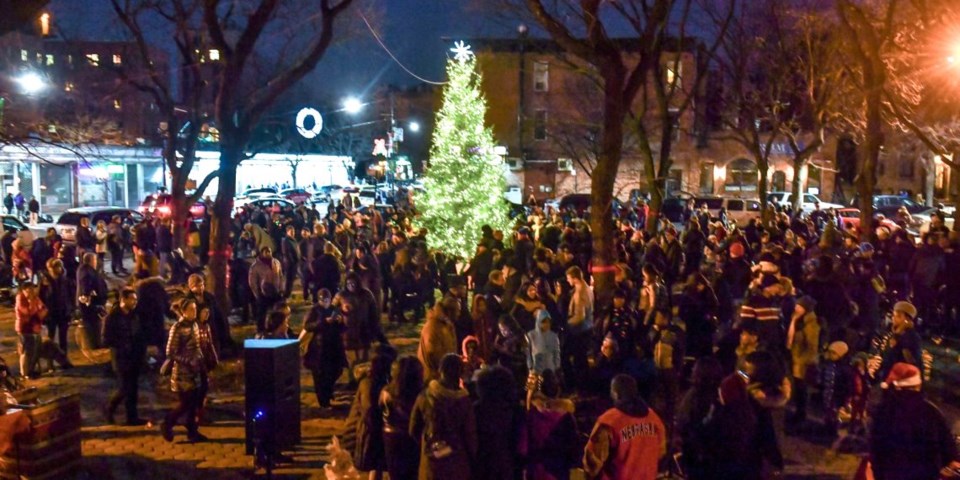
461,51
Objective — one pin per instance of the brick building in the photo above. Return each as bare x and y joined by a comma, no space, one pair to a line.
546,110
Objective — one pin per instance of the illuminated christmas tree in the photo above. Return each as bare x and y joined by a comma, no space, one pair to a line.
464,181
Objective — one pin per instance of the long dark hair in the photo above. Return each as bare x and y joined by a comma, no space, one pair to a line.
408,382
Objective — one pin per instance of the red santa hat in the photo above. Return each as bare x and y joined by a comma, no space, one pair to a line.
902,375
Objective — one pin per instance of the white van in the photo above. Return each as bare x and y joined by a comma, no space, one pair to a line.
739,210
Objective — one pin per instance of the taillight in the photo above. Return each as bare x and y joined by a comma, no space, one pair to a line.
164,210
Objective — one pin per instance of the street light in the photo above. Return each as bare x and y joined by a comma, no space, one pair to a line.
352,105
31,83
414,126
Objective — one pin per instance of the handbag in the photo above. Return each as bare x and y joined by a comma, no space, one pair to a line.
306,340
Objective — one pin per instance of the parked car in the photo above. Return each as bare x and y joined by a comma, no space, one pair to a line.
888,205
296,195
578,202
785,199
67,224
11,222
328,193
850,219
160,205
272,204
258,192
365,194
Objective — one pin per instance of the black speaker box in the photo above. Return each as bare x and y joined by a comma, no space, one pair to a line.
272,388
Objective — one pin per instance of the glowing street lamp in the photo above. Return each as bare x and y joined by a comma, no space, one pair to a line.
31,83
352,105
414,126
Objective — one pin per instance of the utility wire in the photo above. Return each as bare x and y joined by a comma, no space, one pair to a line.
395,59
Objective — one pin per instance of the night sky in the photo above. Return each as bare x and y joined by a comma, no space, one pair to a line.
412,29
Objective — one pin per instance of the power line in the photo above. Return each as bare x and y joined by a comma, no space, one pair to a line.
395,59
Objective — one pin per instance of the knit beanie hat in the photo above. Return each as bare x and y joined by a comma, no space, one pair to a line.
736,250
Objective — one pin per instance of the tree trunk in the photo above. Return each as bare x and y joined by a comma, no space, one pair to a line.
656,187
763,167
601,196
873,139
179,211
796,197
221,225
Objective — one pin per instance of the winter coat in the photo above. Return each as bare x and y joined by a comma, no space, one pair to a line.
153,308
30,315
265,279
101,239
691,413
124,335
183,349
91,284
57,295
437,338
84,237
262,239
368,453
164,239
549,440
326,350
443,423
366,314
368,269
805,349
910,438
326,272
739,435
497,435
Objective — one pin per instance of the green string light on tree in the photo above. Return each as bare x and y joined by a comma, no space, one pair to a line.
464,181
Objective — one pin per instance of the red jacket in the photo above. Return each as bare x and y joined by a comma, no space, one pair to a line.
30,315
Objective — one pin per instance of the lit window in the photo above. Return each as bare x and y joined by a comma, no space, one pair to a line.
45,24
24,55
214,55
49,59
674,71
68,87
116,59
541,76
93,59
116,104
540,125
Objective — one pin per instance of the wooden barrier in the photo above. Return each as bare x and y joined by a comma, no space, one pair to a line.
49,445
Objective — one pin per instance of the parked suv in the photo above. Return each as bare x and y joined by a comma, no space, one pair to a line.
888,205
66,226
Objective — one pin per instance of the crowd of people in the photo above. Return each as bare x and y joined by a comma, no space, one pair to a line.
711,334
